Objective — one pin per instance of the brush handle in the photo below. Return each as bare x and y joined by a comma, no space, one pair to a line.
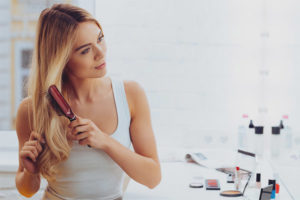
78,132
88,144
72,119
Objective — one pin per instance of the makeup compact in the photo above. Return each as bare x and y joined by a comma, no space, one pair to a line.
231,193
196,185
212,184
235,193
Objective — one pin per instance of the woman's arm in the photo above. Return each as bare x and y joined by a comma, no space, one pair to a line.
27,183
143,164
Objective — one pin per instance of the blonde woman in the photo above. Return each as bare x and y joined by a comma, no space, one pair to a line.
111,115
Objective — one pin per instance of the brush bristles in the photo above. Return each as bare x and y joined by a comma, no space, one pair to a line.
54,105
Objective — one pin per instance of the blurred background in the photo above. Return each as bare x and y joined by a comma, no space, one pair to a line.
208,67
203,64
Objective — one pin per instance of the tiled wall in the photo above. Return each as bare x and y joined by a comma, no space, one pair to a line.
5,64
202,63
205,63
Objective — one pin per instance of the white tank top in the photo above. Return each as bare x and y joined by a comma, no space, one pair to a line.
90,173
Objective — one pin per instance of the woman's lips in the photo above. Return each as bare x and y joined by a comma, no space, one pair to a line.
101,66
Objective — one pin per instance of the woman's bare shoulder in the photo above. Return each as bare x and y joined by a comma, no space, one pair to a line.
134,92
24,117
132,88
25,107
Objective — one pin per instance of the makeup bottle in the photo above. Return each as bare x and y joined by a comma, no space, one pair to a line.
242,132
273,182
259,141
251,131
286,132
237,178
258,183
275,142
251,125
277,188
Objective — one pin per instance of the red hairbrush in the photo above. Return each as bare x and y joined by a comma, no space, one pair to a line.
60,104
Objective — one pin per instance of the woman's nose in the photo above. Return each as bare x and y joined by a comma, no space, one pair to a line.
99,52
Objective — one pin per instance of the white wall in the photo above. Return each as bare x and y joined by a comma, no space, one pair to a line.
205,63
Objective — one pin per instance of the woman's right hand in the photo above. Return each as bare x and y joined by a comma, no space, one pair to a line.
30,152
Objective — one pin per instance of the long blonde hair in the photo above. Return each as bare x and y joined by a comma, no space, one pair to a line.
56,30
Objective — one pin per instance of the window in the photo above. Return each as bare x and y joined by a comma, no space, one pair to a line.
23,56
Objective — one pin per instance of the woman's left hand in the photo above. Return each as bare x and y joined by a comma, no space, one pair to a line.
87,133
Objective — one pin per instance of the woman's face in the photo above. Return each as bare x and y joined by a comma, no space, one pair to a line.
87,59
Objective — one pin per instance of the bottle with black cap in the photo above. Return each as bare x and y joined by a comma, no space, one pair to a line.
272,182
275,142
251,125
259,141
251,131
258,183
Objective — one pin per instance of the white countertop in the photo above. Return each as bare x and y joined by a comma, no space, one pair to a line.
176,178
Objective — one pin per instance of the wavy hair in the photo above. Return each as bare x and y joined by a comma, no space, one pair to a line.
55,36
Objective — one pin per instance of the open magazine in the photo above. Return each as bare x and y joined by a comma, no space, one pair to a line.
223,160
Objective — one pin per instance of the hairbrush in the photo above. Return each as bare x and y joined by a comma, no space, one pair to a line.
59,103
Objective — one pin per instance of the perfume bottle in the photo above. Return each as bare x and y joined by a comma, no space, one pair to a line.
275,142
259,141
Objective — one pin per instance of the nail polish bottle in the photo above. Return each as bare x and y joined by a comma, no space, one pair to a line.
277,188
273,182
258,183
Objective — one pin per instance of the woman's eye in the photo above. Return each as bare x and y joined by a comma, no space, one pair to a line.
85,51
100,38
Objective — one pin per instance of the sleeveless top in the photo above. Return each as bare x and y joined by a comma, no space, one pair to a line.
90,173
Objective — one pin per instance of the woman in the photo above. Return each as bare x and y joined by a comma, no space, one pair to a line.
111,114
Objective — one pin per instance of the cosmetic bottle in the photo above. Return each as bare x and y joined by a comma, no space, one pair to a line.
273,182
259,141
286,132
277,188
251,125
242,132
237,178
258,183
251,132
276,141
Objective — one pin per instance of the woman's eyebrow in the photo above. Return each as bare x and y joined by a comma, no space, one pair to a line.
83,46
100,34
